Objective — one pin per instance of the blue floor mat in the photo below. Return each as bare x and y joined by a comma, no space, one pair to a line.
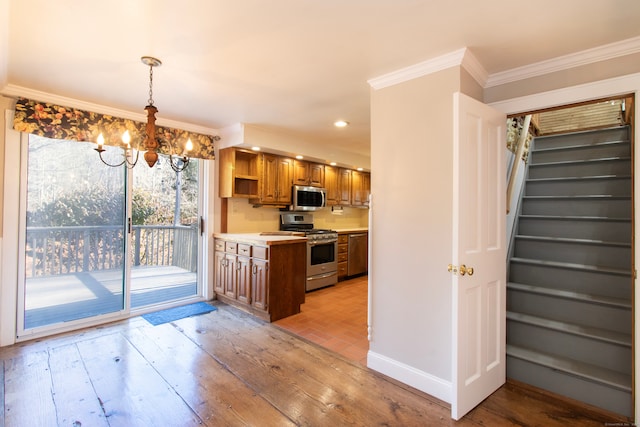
175,313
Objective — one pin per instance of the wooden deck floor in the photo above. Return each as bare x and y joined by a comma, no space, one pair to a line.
66,297
226,368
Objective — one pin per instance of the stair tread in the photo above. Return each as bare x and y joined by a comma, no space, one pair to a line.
585,132
575,218
574,367
573,240
579,178
586,197
591,298
574,266
584,331
579,146
584,161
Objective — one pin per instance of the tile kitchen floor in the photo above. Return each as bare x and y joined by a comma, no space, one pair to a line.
335,318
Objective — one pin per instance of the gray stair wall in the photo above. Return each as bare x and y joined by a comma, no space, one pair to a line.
569,296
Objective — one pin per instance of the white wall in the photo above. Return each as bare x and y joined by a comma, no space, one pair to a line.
411,164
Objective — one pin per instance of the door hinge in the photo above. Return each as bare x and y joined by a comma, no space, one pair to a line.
201,226
129,225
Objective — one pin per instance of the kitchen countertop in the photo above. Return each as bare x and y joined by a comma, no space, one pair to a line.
265,239
353,230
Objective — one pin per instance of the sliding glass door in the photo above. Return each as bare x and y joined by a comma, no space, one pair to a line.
101,240
75,234
165,232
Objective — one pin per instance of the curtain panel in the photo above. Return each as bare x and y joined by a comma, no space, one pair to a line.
59,122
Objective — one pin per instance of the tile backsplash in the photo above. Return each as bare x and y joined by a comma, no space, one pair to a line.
244,218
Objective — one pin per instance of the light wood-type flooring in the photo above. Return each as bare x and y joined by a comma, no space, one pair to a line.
226,368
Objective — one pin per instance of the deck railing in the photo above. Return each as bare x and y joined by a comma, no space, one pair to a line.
62,250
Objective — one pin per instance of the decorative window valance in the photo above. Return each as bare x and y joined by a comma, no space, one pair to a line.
59,122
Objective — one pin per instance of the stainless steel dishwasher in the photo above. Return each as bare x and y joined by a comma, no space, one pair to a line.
358,254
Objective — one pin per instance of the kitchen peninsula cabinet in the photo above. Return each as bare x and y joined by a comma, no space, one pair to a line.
308,173
263,275
276,178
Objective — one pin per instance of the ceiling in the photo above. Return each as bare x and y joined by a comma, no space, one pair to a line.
291,65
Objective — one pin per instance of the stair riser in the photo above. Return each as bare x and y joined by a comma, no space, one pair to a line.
612,208
581,169
595,352
571,311
600,395
588,282
575,253
581,153
614,231
586,187
572,139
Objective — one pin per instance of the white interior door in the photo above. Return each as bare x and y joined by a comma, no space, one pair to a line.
479,255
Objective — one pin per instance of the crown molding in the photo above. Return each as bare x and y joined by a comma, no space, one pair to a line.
15,91
461,57
585,57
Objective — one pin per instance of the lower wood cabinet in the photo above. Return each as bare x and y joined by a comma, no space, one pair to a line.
267,281
346,253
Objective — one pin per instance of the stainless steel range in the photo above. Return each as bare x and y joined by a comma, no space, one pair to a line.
322,249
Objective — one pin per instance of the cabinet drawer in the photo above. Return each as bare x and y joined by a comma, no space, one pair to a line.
231,247
219,245
343,249
260,252
343,256
342,269
343,238
244,249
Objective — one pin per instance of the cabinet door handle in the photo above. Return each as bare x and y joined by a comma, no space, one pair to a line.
255,269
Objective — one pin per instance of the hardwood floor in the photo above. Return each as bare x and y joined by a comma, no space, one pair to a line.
226,368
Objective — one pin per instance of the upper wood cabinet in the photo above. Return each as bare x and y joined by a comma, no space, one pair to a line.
344,187
239,173
275,183
331,184
360,188
307,173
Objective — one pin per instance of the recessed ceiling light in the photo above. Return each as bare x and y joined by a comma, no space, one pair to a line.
360,169
255,148
333,163
299,157
340,123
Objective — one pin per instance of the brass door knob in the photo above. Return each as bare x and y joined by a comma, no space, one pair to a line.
466,270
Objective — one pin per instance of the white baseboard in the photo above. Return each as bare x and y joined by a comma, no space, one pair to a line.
437,387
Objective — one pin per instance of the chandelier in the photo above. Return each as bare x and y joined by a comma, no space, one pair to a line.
151,143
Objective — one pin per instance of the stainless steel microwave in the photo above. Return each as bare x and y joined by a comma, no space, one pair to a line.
305,198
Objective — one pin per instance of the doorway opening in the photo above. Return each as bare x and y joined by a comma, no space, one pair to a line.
570,275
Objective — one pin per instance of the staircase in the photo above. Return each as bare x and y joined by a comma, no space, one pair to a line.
569,317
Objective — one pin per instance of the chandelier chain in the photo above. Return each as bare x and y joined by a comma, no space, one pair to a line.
150,101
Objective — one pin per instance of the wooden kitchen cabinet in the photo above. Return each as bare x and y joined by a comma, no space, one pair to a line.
239,173
345,251
343,255
243,273
276,180
308,173
260,284
360,188
268,281
344,187
331,184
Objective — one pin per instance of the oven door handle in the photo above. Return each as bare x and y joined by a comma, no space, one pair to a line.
322,242
321,276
